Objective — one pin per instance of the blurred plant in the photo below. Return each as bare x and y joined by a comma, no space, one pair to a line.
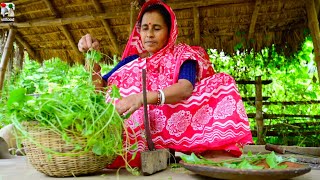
293,79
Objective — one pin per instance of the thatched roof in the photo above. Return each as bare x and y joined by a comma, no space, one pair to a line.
52,28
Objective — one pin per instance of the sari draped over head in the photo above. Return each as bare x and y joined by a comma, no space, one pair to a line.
213,118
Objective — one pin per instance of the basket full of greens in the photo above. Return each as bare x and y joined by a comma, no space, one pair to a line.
69,130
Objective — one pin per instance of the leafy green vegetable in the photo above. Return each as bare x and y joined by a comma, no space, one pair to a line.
68,105
93,56
273,161
245,164
191,159
248,161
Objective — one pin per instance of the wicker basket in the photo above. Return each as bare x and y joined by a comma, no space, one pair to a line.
79,163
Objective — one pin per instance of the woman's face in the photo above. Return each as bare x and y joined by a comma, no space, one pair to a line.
154,32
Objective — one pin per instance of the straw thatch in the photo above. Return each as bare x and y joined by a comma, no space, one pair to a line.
52,28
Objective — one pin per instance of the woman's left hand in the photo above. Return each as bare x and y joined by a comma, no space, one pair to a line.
129,104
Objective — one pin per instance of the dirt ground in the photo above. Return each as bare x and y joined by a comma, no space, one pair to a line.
18,168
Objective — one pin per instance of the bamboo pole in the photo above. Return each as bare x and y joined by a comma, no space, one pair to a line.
72,43
132,17
10,64
107,27
64,21
196,21
29,49
112,37
254,19
113,15
51,7
19,56
4,36
317,5
315,33
66,33
259,115
5,57
190,4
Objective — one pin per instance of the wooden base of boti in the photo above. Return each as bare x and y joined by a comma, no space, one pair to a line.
154,161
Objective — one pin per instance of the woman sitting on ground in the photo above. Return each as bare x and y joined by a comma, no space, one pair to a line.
191,108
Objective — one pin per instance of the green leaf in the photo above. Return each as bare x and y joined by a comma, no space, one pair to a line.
93,55
238,46
134,155
271,160
134,146
97,148
66,138
77,147
191,158
79,127
126,116
17,96
281,166
115,92
238,33
88,132
228,165
313,95
246,165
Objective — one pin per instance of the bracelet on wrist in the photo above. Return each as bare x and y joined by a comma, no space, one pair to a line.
159,98
162,97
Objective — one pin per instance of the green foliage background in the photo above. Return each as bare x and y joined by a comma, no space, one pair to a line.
293,79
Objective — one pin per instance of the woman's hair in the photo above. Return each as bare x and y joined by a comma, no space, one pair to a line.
162,10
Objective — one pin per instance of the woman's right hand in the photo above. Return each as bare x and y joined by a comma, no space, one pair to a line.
88,42
129,104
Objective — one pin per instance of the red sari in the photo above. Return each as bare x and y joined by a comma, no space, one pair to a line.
213,118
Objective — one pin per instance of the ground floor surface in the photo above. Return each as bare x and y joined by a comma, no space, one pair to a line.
18,168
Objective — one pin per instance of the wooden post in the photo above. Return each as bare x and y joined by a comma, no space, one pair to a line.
32,53
196,21
259,115
5,56
315,33
132,17
254,20
4,36
19,56
10,68
317,5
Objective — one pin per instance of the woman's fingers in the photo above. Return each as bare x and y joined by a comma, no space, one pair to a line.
129,105
95,44
81,44
120,108
124,108
87,42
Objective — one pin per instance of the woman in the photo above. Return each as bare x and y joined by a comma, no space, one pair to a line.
191,108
